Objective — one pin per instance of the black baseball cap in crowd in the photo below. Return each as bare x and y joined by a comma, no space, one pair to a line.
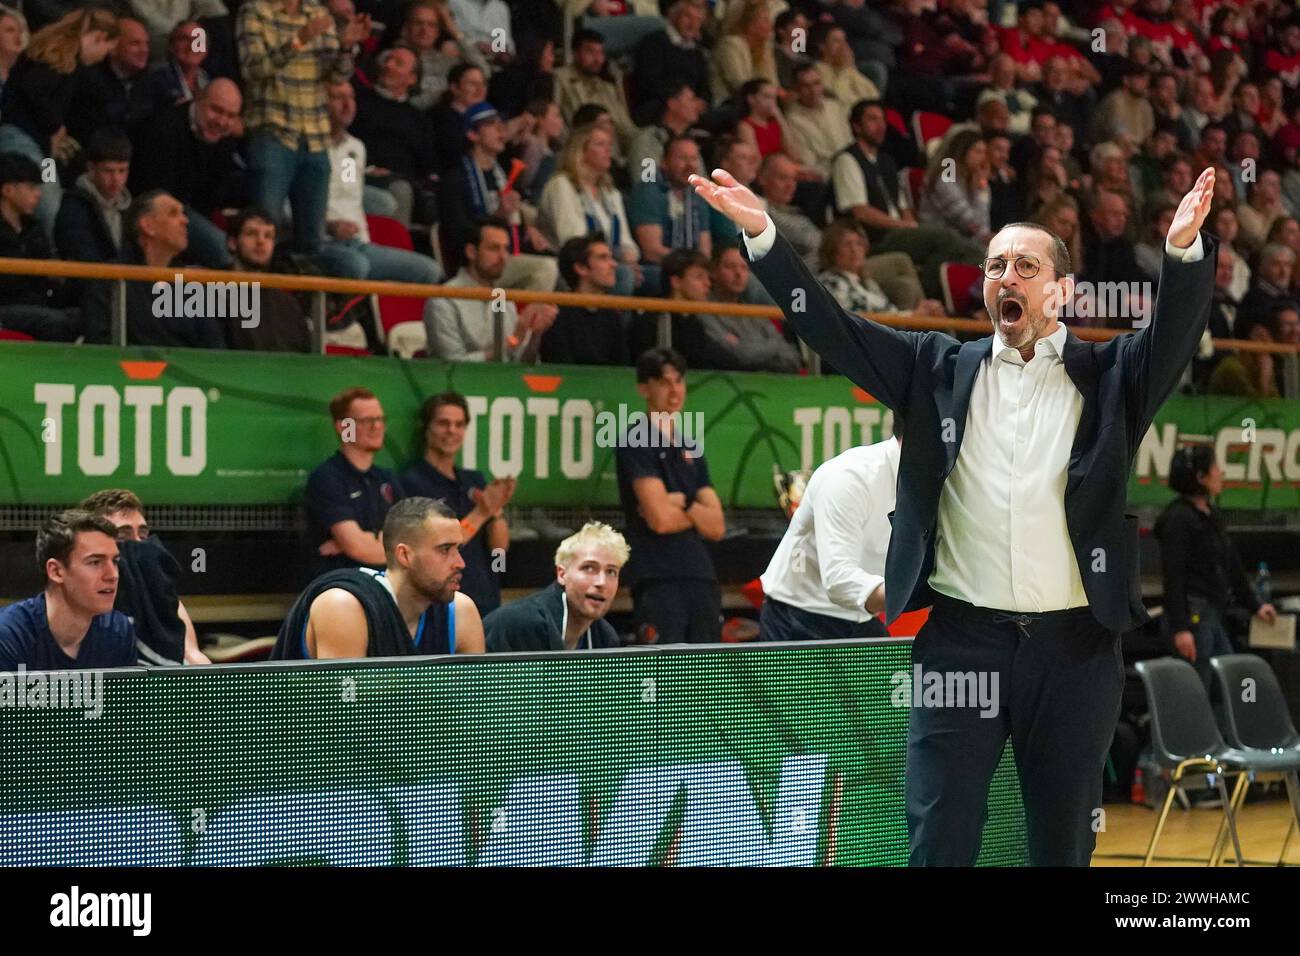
17,168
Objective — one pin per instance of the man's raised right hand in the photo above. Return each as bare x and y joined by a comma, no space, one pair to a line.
314,28
733,200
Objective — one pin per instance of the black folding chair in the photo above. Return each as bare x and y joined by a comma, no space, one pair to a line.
1257,722
1185,738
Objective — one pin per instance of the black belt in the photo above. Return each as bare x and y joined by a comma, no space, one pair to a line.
994,616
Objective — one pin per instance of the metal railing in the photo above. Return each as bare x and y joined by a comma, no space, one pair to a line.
320,286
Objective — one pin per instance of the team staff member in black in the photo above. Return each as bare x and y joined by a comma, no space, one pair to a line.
72,622
1009,518
1200,565
569,614
669,508
477,502
348,495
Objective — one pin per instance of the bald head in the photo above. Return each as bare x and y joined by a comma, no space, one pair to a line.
778,177
131,54
223,91
216,109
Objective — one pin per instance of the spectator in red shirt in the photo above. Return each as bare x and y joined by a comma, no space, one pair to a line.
1083,75
1283,58
1027,44
1271,114
1227,31
1186,38
1153,23
1122,10
932,58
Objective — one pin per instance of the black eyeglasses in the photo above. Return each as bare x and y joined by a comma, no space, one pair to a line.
1026,267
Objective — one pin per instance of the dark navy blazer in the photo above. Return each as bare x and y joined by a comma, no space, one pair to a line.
927,378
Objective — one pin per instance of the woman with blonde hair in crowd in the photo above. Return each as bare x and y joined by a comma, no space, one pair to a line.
745,53
14,37
956,192
40,87
581,199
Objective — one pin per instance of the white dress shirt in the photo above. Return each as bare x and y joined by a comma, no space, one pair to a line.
1001,539
478,18
347,184
832,556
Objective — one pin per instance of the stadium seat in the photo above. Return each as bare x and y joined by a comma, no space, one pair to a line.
1259,724
929,129
402,317
1185,741
895,119
344,350
387,231
956,278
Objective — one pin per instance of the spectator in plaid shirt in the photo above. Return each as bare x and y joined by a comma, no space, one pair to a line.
288,49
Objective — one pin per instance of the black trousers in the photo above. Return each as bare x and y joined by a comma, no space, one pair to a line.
678,611
778,621
1058,678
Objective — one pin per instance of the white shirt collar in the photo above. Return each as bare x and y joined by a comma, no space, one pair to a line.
1053,344
677,39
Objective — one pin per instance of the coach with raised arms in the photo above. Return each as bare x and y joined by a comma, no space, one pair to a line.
1010,518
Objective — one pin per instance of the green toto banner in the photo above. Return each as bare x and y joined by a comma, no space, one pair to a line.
778,755
196,427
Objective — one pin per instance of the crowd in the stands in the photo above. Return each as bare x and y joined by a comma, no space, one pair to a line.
546,144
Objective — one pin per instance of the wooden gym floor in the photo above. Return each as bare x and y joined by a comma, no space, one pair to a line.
1261,825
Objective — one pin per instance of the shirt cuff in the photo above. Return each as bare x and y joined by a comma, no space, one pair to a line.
1193,253
759,246
868,588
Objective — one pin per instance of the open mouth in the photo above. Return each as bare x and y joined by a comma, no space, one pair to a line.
595,599
1010,311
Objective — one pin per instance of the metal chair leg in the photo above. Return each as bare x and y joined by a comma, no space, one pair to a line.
1160,824
1239,792
1293,795
1227,811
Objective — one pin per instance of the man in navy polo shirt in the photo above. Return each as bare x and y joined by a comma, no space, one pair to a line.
348,495
669,508
477,502
71,624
